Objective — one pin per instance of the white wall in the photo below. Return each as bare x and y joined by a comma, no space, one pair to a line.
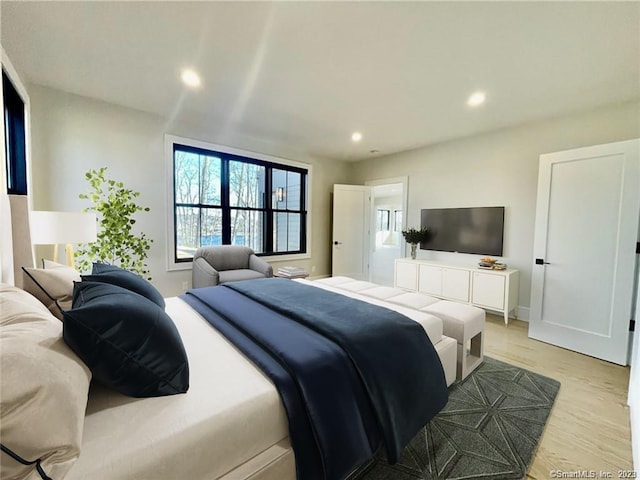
498,168
71,134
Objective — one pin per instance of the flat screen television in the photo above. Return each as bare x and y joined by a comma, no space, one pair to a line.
477,230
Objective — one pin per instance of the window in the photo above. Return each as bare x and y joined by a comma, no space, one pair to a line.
382,220
14,135
397,220
222,198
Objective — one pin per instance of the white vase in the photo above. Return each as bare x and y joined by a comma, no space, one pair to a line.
413,250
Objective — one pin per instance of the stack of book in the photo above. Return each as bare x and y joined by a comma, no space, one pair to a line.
492,265
292,272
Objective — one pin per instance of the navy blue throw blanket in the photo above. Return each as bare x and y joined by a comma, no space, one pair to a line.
331,426
360,371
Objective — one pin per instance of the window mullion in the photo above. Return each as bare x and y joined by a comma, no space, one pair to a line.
268,221
303,211
226,202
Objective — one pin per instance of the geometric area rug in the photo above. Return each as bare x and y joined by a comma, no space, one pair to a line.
489,429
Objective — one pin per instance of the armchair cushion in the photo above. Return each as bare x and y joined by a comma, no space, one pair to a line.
240,274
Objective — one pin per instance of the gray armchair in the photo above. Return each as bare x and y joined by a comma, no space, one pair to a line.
227,263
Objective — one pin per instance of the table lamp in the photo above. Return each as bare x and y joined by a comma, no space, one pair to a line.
54,228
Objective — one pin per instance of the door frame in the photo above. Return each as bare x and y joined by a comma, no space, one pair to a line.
405,203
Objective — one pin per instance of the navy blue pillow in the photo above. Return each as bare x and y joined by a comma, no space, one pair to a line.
128,342
106,273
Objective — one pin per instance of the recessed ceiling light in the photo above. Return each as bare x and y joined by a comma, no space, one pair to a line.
356,136
476,98
190,78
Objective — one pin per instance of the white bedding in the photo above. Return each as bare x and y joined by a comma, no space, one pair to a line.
231,413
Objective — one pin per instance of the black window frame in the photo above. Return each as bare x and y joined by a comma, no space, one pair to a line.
15,137
226,207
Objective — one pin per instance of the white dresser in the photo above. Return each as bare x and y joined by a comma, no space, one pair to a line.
495,290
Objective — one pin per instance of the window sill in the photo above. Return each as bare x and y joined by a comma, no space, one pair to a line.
181,266
285,258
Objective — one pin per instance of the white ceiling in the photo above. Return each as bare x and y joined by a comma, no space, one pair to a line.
308,74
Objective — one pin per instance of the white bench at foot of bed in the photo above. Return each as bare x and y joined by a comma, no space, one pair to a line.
464,323
445,347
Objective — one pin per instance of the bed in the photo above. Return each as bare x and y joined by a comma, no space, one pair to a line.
231,424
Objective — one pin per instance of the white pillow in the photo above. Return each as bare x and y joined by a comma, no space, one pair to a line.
52,285
43,389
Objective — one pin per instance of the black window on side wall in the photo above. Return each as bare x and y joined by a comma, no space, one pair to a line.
14,135
226,199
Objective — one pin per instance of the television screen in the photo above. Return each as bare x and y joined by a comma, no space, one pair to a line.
476,230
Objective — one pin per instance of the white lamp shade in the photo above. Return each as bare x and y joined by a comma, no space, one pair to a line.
48,228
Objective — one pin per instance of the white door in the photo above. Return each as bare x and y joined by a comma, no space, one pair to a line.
584,249
351,218
634,384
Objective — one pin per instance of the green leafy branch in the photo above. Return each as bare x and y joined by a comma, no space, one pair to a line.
116,243
414,235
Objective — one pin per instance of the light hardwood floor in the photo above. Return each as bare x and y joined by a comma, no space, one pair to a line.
588,428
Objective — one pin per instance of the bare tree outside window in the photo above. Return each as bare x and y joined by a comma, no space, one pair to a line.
197,181
246,191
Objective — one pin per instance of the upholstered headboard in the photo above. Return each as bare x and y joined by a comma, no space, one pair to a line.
20,236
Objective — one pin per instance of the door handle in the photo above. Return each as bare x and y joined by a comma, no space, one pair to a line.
540,261
337,242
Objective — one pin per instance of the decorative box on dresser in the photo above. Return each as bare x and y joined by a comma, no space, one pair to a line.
495,290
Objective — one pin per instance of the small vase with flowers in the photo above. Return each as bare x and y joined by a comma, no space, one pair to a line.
413,236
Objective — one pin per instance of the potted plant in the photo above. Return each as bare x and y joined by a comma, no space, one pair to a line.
413,237
116,244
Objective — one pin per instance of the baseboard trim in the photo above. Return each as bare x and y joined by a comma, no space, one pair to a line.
523,313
